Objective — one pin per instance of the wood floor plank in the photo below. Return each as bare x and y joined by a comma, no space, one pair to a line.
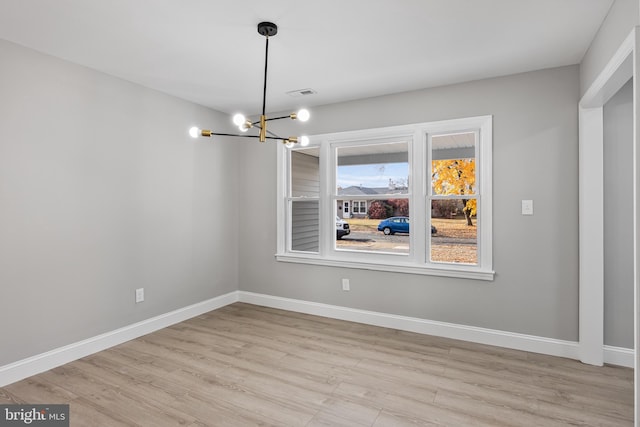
328,419
37,390
84,413
138,409
389,419
8,398
350,410
413,413
283,411
245,365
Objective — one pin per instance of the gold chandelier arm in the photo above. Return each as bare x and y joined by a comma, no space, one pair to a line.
290,116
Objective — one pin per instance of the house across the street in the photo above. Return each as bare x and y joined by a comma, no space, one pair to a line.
354,201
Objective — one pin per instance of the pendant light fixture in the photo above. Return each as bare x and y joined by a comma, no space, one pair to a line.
266,29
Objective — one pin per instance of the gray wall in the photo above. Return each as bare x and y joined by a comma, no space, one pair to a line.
535,290
622,17
101,192
618,219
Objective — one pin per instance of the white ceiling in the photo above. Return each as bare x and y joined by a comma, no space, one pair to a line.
209,52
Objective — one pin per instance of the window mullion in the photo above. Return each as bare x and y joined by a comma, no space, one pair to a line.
417,208
486,204
327,163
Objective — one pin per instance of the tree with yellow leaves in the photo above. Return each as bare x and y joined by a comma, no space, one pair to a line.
456,177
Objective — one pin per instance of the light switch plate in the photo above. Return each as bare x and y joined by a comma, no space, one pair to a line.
527,207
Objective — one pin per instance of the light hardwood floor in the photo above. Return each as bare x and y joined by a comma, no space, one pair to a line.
246,365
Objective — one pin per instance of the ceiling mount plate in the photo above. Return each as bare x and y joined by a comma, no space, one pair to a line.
267,29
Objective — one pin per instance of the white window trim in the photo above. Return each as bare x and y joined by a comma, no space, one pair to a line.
417,262
359,203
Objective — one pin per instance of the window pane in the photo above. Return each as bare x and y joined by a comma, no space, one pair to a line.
383,228
360,207
305,173
305,225
370,170
454,237
453,164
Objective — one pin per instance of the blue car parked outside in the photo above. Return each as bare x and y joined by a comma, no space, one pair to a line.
397,224
393,225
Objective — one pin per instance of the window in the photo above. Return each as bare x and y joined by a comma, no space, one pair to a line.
375,173
360,207
414,199
453,198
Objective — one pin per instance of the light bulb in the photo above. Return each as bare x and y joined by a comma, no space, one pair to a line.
303,115
243,128
239,120
289,144
194,132
304,140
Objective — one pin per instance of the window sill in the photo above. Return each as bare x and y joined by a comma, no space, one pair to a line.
445,271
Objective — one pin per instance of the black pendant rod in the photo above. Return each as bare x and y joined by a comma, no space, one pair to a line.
266,29
266,63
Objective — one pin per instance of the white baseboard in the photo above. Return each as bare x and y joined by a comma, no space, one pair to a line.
553,347
43,362
619,356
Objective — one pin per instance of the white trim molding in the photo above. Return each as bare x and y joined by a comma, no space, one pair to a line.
531,343
410,268
51,359
619,356
591,229
635,34
614,75
624,64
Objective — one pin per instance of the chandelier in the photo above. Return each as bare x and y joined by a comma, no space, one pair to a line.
266,29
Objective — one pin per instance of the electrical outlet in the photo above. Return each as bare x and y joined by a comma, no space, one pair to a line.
345,285
527,207
139,295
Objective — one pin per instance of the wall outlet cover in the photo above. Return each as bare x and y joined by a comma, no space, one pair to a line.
527,207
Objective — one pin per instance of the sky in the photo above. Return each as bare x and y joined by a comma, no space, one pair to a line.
372,175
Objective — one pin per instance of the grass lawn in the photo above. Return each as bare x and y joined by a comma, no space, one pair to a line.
362,224
441,251
456,228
